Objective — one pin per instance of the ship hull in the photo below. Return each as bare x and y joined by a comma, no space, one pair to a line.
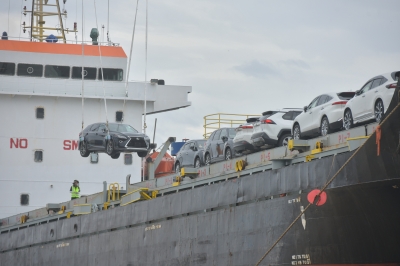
235,222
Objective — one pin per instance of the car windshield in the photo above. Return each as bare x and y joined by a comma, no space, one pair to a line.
122,128
232,133
200,143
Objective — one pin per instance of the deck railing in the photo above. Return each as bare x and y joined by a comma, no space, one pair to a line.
218,120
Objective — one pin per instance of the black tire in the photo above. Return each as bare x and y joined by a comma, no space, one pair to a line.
296,132
83,149
142,154
228,154
197,163
284,139
177,167
207,159
379,111
347,120
324,127
115,155
110,147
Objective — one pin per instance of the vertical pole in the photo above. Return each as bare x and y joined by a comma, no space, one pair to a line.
32,14
61,23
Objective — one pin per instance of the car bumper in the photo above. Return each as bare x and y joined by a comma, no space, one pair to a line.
261,139
242,145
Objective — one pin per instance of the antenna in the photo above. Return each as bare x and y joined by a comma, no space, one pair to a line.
108,23
38,14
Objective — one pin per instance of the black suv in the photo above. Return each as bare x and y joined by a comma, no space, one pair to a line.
190,155
218,146
119,138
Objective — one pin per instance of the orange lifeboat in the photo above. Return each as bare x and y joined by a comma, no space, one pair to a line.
166,166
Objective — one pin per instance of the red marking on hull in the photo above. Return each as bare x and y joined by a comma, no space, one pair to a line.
311,197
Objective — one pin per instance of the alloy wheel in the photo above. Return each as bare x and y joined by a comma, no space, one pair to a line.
324,127
110,147
347,120
208,159
285,141
197,163
228,154
379,111
177,168
296,132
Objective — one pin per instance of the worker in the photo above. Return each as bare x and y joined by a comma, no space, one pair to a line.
75,189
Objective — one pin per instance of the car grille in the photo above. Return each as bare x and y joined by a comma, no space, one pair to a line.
134,143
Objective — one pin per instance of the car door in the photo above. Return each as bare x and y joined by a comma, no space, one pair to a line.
91,136
306,121
358,103
215,145
188,159
370,97
100,137
181,154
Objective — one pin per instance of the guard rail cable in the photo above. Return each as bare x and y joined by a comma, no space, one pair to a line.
317,197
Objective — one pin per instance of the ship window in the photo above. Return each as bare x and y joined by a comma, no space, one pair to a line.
119,116
38,156
31,70
40,112
88,72
24,199
7,68
94,157
51,71
128,158
111,74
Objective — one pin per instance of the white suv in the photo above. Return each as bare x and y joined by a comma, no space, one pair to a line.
242,141
371,101
322,116
274,128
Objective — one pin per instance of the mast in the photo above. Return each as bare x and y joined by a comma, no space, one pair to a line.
39,13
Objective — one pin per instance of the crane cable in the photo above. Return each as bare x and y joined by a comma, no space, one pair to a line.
129,61
102,75
82,73
317,197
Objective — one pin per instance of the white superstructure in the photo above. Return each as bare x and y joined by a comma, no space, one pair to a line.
41,107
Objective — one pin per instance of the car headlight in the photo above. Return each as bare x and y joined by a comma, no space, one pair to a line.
122,137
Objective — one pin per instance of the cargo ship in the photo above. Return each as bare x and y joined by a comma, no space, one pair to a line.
331,200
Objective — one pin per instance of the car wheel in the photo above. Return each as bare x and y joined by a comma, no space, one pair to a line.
296,132
115,155
142,154
84,150
228,154
177,168
347,120
208,159
379,111
284,140
324,129
197,163
110,147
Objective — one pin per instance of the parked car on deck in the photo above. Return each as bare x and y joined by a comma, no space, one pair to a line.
322,116
219,146
118,138
371,101
274,128
242,141
190,155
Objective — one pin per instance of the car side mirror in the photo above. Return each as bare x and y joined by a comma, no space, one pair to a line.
104,130
305,109
193,148
224,138
357,92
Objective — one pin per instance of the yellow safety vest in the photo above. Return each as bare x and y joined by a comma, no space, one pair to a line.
75,192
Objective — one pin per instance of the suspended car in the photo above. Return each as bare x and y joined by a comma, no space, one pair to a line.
118,138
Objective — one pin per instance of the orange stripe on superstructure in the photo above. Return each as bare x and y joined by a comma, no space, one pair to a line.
60,48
